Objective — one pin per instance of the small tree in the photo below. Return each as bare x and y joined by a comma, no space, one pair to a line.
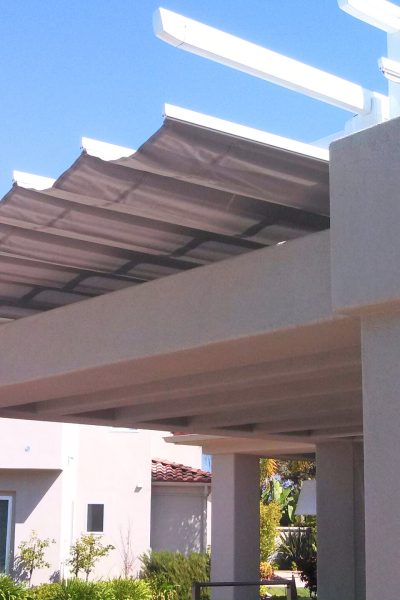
32,554
126,552
85,553
270,515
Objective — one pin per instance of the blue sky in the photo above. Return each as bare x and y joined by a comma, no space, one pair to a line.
94,67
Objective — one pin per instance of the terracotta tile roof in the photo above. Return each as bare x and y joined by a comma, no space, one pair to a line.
164,470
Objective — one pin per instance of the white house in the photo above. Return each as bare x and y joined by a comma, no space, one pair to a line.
62,480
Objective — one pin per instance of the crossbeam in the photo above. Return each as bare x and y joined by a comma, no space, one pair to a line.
239,54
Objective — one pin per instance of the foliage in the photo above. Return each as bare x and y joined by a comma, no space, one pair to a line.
270,515
128,589
162,589
285,497
173,571
85,553
300,548
77,589
266,570
48,591
32,554
293,472
268,468
11,590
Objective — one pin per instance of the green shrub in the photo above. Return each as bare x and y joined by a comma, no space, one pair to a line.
77,589
270,515
48,591
125,589
71,589
174,571
161,589
10,590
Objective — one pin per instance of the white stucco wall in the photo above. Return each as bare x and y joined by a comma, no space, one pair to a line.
114,470
30,445
179,517
36,506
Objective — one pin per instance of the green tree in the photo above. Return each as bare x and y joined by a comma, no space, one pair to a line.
85,553
32,554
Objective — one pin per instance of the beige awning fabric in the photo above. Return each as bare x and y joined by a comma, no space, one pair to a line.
188,197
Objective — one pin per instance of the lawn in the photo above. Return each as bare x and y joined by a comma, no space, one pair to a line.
278,593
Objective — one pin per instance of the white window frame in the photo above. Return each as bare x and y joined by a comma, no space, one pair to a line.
9,529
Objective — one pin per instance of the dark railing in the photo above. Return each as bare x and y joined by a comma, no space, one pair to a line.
289,585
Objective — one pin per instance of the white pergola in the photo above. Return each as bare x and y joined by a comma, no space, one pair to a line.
224,282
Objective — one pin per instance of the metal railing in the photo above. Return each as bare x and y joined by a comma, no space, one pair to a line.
289,585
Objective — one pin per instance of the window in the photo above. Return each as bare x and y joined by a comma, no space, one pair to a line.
95,518
5,532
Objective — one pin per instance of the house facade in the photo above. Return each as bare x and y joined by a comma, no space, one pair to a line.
62,480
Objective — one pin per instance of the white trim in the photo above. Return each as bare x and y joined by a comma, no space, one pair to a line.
104,150
9,530
248,133
255,60
378,13
31,181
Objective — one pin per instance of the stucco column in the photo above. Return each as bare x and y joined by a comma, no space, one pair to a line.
235,532
340,514
381,400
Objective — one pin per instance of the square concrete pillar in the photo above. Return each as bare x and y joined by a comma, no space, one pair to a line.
235,532
381,403
365,216
340,521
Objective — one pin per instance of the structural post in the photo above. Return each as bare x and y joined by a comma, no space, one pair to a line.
381,398
340,510
235,532
365,255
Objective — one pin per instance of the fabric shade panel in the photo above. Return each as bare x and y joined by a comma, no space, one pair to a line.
190,196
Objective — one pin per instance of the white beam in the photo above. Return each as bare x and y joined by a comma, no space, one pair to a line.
248,133
255,60
31,181
378,13
104,150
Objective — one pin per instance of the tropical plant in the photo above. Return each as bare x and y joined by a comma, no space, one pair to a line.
85,553
300,549
285,497
32,555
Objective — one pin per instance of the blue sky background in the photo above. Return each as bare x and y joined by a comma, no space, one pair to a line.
94,67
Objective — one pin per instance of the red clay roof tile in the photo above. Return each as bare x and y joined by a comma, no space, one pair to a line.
164,470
